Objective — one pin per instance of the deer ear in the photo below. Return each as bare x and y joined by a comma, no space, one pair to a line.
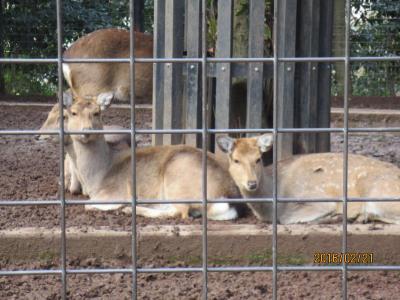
104,100
67,99
226,144
265,142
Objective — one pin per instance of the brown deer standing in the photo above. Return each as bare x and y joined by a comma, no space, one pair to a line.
91,79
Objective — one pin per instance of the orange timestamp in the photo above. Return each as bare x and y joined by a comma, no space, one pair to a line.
347,258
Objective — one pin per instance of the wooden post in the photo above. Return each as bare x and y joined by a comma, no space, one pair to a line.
286,74
174,16
2,39
324,78
307,74
224,79
158,70
193,97
139,15
255,75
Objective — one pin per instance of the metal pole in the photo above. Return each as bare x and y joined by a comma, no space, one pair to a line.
346,143
204,144
133,146
275,158
61,153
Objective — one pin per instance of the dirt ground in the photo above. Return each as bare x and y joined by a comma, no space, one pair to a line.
291,285
368,102
29,170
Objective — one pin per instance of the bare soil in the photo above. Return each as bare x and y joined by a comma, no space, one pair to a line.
368,102
245,285
29,170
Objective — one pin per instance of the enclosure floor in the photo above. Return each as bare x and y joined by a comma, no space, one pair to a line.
29,170
291,285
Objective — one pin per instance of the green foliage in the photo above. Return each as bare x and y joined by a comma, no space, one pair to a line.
31,31
375,32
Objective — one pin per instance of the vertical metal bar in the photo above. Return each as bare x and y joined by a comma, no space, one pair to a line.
345,144
204,144
133,146
255,78
158,70
274,158
61,157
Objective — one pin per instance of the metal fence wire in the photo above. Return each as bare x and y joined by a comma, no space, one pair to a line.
204,131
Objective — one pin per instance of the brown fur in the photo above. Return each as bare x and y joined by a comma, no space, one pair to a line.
317,176
164,172
91,79
116,141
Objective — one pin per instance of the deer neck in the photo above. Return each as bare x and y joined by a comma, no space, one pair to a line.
261,210
92,161
261,192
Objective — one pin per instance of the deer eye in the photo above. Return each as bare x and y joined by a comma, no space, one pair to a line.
74,113
258,161
236,161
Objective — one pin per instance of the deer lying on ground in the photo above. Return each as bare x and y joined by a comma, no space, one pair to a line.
116,141
164,172
89,79
313,176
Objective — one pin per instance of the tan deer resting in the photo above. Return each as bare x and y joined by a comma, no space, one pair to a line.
165,172
313,176
90,79
116,141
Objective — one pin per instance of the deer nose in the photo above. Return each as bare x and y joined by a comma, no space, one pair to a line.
252,185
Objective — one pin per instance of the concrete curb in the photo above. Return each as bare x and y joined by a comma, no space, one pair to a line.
228,244
365,117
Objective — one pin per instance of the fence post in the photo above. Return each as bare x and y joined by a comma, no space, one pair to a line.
223,73
158,70
193,97
286,75
324,78
139,15
255,70
313,78
174,22
2,39
307,75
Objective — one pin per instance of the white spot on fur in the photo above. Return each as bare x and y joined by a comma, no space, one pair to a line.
67,73
104,207
222,211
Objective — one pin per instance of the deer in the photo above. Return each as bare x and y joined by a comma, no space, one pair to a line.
88,79
170,172
308,176
116,141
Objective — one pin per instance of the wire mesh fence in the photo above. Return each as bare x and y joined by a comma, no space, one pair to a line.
203,60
